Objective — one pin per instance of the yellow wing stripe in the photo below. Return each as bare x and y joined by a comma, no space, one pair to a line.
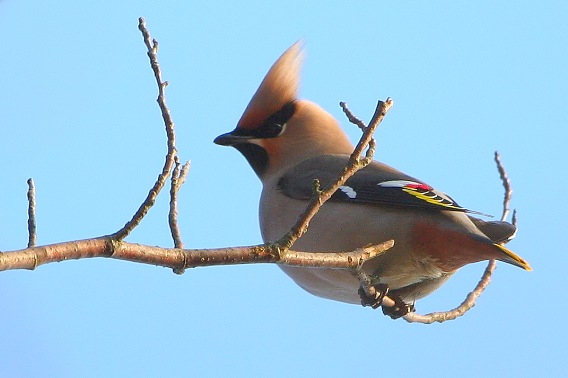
432,198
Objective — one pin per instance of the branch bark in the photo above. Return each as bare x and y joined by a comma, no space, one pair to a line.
180,259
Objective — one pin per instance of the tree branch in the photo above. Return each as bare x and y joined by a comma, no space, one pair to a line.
113,245
180,259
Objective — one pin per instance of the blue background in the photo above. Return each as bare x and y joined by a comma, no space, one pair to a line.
78,114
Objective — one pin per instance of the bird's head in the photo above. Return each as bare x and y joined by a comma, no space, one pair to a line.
277,130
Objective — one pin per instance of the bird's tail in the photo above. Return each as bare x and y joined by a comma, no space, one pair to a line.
512,258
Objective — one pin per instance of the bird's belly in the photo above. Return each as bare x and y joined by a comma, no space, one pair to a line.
338,229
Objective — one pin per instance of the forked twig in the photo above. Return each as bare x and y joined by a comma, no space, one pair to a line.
152,46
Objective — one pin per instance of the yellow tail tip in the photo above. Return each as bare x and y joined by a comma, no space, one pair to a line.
513,258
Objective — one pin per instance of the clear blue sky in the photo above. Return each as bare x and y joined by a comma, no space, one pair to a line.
78,114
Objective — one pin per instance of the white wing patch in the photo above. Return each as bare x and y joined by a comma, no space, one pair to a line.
396,183
348,191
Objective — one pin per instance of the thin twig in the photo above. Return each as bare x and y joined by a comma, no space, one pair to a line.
179,176
506,186
464,307
152,46
32,231
362,126
355,163
352,118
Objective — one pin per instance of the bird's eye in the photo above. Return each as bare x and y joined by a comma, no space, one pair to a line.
275,125
272,130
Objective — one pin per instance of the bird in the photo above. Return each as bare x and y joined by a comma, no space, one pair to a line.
290,142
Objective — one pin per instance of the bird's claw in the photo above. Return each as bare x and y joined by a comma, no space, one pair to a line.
374,301
399,309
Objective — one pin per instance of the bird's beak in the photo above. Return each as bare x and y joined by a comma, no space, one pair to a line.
230,139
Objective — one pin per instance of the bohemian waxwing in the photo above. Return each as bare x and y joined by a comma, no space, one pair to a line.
290,142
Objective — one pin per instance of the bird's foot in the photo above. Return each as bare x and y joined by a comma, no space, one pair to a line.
375,300
399,309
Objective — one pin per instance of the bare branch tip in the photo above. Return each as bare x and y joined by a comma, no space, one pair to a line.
377,249
351,117
32,233
384,106
186,166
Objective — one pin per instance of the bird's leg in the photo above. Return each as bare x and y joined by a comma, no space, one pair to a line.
373,300
399,309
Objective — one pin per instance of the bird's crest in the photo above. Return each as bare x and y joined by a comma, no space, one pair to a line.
279,86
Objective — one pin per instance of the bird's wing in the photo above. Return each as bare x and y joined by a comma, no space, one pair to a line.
377,184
